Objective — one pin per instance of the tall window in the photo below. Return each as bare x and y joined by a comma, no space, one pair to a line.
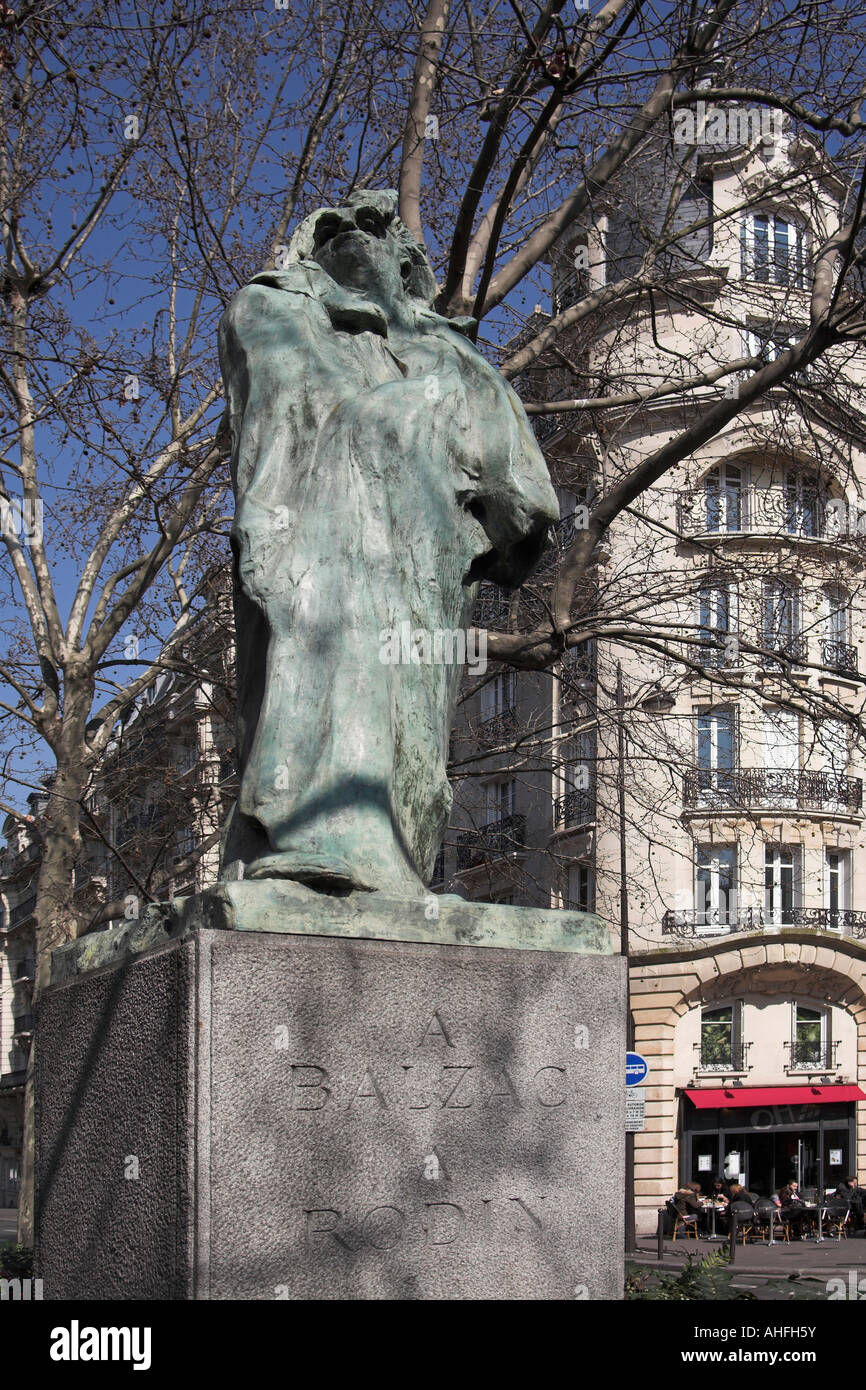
836,650
580,893
717,623
837,885
811,1037
716,886
723,493
773,249
500,799
781,884
781,625
721,1038
497,696
717,750
803,504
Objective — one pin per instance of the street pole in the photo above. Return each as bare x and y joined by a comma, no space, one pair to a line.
630,1235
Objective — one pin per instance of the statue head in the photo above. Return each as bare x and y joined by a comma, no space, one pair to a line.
365,247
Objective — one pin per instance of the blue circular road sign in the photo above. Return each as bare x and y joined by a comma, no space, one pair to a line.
636,1069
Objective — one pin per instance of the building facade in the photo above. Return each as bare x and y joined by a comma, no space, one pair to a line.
737,578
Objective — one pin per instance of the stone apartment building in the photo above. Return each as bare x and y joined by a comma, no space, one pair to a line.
740,577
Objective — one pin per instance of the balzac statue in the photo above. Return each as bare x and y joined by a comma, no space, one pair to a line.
382,468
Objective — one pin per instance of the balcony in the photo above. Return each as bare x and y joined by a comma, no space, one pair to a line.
575,809
498,729
20,913
492,841
772,512
811,1056
771,789
793,651
726,1060
839,656
697,922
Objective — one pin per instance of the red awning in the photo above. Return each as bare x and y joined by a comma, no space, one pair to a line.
730,1097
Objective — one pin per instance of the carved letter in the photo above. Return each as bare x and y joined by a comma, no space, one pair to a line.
426,1106
448,1228
546,1084
387,1229
531,1214
506,1090
440,1031
372,1094
447,1102
299,1084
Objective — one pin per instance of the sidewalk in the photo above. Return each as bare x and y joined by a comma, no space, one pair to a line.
766,1270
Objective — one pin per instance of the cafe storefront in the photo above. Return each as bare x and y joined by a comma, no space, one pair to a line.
765,1137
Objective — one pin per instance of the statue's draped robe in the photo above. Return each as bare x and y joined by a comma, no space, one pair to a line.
377,478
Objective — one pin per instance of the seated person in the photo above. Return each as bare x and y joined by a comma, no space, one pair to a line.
742,1202
852,1194
687,1199
793,1208
720,1190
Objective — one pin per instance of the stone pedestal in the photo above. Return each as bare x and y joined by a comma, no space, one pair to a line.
230,1113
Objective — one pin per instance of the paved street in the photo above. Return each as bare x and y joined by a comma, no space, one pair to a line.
765,1270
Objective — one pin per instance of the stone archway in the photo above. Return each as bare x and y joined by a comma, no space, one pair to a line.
666,984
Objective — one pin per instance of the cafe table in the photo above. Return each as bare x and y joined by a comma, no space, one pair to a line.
713,1207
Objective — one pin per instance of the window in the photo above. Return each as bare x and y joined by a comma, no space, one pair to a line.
811,1038
717,624
837,886
803,504
773,249
500,799
836,651
721,1038
768,343
497,696
781,625
723,493
781,884
580,894
717,750
716,886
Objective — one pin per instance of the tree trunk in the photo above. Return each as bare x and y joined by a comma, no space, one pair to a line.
55,923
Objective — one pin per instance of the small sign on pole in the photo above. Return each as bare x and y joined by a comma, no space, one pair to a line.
636,1068
635,1111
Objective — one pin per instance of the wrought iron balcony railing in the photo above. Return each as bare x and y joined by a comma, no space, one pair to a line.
839,656
780,788
728,1059
711,922
575,808
693,922
787,649
21,912
497,838
498,729
807,1055
771,511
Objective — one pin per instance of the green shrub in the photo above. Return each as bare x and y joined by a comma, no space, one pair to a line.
706,1278
16,1262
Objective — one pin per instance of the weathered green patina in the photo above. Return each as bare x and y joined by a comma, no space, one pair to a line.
382,468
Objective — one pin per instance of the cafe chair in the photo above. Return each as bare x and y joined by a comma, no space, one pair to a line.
835,1219
761,1223
686,1221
